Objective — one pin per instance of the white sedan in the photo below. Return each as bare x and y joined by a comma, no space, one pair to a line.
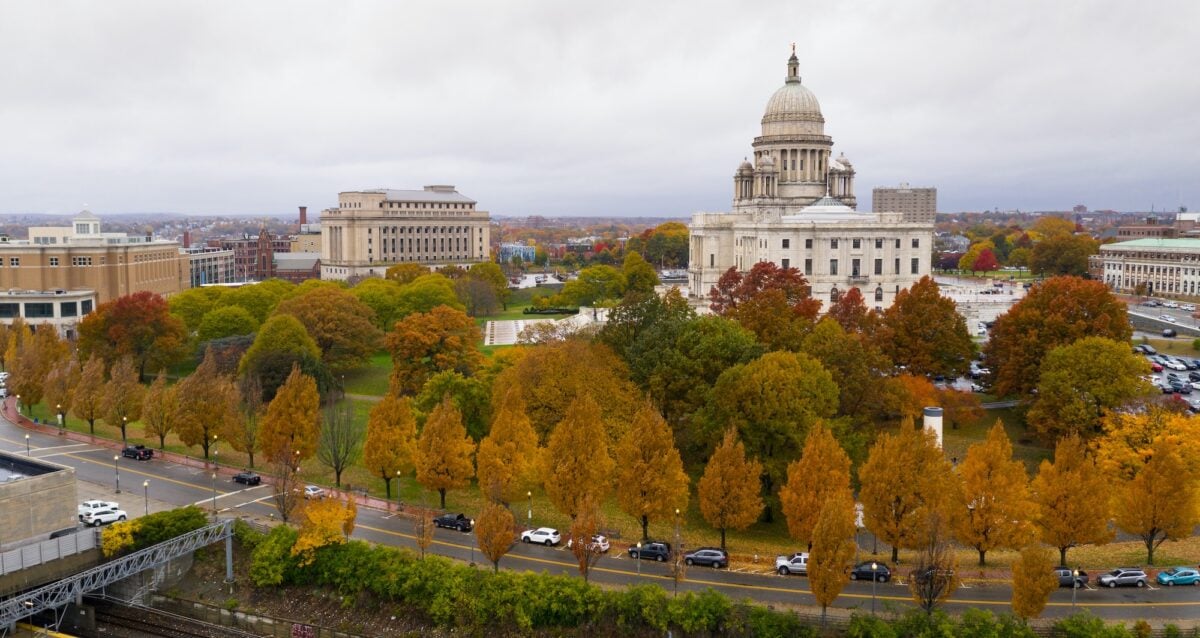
103,517
542,535
598,544
1167,318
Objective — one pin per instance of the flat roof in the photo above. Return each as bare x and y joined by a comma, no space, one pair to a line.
1155,242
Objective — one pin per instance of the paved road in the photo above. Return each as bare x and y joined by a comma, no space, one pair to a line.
176,485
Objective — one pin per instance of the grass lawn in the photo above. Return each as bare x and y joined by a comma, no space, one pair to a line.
518,301
1179,346
371,379
1026,448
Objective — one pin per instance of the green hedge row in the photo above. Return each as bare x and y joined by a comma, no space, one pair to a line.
454,596
163,526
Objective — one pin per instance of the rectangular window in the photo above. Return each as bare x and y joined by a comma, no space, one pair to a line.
54,261
787,243
833,244
85,307
39,310
916,264
856,243
878,266
68,308
916,243
808,266
808,244
897,243
879,244
833,266
712,260
14,261
8,310
854,267
897,263
786,263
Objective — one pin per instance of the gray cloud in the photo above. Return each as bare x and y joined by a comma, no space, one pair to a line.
586,108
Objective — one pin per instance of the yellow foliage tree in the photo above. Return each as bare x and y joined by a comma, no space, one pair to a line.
291,428
583,527
391,446
906,483
160,409
995,507
509,457
123,395
650,477
119,537
1128,440
1160,503
1073,497
833,548
88,402
820,475
729,491
577,466
496,530
444,451
1033,580
326,521
207,405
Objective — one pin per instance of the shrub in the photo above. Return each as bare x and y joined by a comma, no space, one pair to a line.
271,563
862,626
247,536
119,537
163,526
1142,629
1172,631
1085,625
706,612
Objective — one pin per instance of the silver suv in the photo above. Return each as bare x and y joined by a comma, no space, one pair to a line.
1123,576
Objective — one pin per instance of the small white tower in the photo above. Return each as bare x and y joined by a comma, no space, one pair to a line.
933,421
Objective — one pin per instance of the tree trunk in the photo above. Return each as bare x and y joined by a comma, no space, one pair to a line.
123,432
387,481
162,442
722,538
895,554
337,478
250,453
442,493
92,425
982,555
645,527
1062,556
1150,550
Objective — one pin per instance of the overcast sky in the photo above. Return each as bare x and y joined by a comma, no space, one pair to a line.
597,108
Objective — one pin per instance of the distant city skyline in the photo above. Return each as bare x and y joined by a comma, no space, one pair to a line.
541,108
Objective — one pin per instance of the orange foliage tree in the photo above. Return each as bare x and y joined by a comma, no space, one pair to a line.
820,476
650,480
444,451
327,521
729,490
391,440
578,468
425,343
495,530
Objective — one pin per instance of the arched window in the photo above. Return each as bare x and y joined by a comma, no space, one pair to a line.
879,293
833,295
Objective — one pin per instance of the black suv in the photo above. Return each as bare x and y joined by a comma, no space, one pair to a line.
459,522
653,550
139,452
247,478
710,556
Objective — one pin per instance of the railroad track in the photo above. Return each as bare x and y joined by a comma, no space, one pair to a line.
120,621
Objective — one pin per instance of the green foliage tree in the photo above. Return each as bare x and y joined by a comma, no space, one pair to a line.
193,304
383,297
1081,381
425,293
594,285
226,322
491,274
472,396
640,277
405,273
1063,255
341,325
281,343
258,299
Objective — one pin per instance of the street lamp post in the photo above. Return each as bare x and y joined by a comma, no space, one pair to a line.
146,494
18,404
62,422
124,424
530,495
874,579
472,545
399,503
639,559
27,445
1074,585
117,472
214,486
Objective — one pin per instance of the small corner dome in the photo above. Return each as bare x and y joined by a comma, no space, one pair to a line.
843,160
86,214
745,166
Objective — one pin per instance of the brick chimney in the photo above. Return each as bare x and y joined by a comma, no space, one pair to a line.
303,215
187,239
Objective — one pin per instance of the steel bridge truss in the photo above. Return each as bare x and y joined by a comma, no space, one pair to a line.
72,588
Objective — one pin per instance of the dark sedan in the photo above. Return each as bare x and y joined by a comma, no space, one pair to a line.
871,569
247,478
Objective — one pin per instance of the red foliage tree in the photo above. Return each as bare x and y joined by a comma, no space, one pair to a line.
986,261
734,289
137,325
850,311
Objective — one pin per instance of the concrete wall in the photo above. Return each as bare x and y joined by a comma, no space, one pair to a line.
40,502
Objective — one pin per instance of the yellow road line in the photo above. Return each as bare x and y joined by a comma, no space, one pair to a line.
148,475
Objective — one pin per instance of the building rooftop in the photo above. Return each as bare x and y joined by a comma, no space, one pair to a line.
436,193
1156,242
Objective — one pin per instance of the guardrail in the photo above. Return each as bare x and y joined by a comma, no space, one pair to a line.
46,551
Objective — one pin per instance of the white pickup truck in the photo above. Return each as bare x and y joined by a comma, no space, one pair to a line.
795,564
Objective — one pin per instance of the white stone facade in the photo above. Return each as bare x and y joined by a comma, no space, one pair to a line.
1169,267
795,207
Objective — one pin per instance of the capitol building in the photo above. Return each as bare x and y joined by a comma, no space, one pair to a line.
795,206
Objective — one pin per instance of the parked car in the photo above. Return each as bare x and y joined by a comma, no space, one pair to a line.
1179,576
1188,307
710,556
975,387
103,516
598,543
653,550
1170,333
1067,576
459,522
247,478
543,535
795,564
139,452
87,507
1169,304
1150,303
869,570
1123,576
1148,349
1156,367
937,575
314,492
1168,318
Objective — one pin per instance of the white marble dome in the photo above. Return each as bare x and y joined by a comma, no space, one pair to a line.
793,101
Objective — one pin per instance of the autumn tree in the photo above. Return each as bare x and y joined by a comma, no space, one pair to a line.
986,261
280,345
729,491
477,296
855,362
774,303
324,522
342,326
1072,497
773,401
391,440
640,277
553,376
443,460
1081,381
1128,440
340,440
290,430
995,502
123,395
423,344
1063,255
472,396
832,548
405,273
88,401
509,457
934,576
423,529
160,409
140,326
650,480
583,527
491,274
923,332
1160,503
495,531
851,313
906,482
242,434
58,387
968,260
577,465
287,486
1033,582
207,405
820,476
1055,312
